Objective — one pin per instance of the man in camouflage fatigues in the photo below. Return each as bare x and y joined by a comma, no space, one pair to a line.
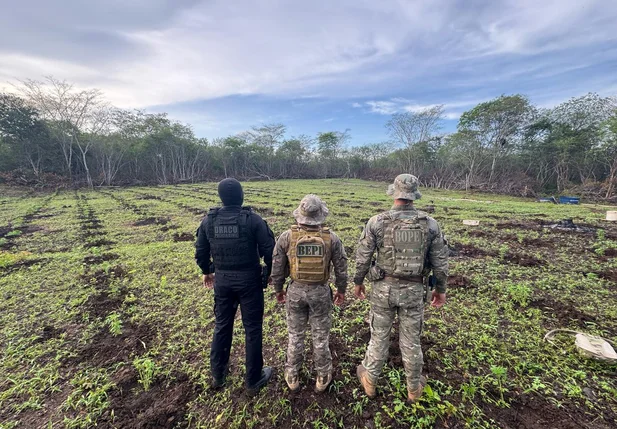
409,244
305,253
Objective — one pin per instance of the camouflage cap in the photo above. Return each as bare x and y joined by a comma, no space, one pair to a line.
311,211
405,187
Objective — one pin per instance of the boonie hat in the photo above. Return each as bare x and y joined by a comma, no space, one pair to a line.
311,211
405,187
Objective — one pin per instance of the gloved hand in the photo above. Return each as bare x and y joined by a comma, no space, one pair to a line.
280,297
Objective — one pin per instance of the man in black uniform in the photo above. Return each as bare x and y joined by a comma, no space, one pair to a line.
235,238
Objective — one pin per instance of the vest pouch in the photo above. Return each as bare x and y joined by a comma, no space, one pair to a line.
409,241
404,246
375,274
309,256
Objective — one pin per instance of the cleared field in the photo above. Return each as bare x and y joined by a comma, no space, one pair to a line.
104,322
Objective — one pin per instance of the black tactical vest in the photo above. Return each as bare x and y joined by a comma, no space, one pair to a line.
232,245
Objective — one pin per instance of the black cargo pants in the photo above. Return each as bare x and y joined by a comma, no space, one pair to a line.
233,288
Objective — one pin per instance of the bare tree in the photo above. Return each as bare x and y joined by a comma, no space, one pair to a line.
608,151
70,111
411,128
465,148
267,139
269,135
111,149
97,125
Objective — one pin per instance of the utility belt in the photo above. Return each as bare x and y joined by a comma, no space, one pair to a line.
414,279
262,272
309,285
428,282
375,274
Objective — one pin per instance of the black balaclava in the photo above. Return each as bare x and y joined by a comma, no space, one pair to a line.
230,192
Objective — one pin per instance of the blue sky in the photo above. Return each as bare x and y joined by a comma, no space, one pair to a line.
224,66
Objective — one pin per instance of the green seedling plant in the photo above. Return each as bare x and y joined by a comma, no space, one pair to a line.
499,376
89,398
147,370
114,322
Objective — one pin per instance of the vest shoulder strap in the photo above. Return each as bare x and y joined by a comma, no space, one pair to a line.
244,214
386,215
212,213
297,232
422,215
423,219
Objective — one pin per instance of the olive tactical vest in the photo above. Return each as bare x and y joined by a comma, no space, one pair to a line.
403,251
309,255
232,245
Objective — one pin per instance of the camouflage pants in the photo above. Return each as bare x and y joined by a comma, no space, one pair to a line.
389,298
309,304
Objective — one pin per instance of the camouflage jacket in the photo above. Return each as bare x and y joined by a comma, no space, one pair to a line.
280,263
372,239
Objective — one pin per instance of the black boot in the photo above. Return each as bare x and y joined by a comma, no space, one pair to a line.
218,382
266,374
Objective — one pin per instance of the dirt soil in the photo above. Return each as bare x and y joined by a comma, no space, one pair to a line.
183,236
457,281
469,251
532,411
21,264
163,406
152,221
94,260
564,313
523,260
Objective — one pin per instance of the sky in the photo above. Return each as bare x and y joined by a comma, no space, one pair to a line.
315,66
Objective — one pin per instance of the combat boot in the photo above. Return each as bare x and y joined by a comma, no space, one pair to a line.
322,382
293,380
266,375
414,394
218,382
365,380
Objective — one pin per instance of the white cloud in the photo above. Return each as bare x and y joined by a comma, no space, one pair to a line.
452,115
414,108
383,107
401,105
165,52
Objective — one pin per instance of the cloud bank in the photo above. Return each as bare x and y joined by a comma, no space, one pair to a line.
369,55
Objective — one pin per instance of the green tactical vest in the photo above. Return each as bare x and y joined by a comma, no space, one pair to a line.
404,247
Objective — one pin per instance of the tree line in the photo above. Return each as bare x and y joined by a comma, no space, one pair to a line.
52,133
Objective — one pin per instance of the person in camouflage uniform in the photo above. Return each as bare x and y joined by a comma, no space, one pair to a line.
409,245
305,253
